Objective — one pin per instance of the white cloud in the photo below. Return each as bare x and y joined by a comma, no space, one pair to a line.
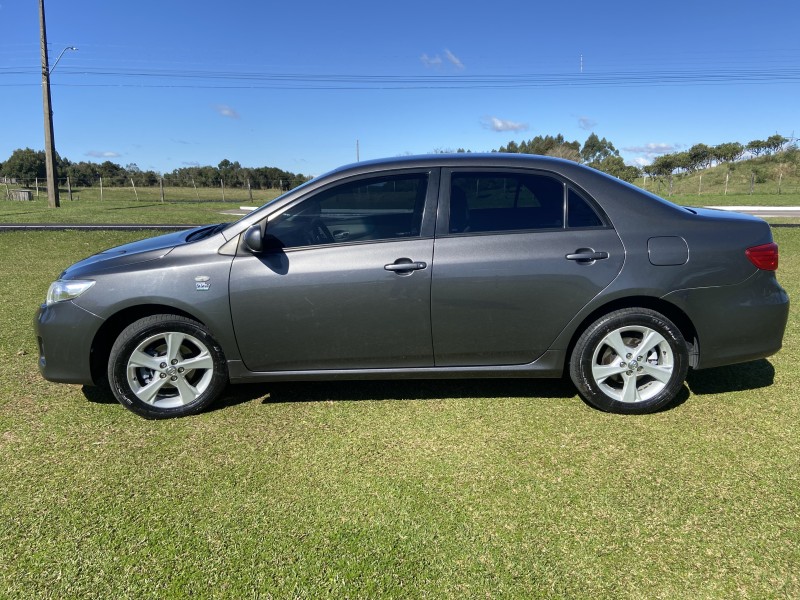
651,151
496,124
454,60
586,123
436,61
431,61
226,111
653,148
103,154
191,164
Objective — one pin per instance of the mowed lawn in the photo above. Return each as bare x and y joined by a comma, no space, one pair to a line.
393,489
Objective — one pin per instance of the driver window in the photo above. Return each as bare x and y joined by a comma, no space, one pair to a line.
380,208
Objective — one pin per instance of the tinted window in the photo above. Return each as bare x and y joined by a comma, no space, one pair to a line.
379,208
482,202
580,213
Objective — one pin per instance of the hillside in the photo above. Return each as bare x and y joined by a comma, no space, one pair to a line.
776,174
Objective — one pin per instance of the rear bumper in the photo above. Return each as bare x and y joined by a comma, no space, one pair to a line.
736,323
65,333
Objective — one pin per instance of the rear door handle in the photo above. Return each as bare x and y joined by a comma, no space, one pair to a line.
405,265
586,255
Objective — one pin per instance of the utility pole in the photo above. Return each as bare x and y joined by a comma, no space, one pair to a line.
49,142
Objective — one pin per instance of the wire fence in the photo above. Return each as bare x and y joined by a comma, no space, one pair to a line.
162,190
738,185
167,189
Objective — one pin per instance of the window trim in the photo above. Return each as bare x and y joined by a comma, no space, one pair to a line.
445,184
428,221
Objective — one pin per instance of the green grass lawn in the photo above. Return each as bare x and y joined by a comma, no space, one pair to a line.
393,489
121,207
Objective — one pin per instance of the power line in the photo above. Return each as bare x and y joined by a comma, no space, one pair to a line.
152,78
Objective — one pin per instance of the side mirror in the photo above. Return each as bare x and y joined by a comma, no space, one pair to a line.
253,239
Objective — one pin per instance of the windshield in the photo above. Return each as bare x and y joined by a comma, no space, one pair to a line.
268,203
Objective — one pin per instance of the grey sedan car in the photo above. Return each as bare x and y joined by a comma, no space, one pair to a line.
425,267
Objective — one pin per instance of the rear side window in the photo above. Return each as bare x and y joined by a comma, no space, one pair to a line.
489,202
579,212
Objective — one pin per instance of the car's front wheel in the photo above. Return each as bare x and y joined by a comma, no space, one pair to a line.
165,366
632,361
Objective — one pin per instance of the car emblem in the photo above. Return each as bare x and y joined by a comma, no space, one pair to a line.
202,283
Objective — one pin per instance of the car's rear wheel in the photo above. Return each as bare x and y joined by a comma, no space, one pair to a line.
632,361
166,366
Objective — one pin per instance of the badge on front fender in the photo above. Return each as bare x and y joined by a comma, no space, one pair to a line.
202,283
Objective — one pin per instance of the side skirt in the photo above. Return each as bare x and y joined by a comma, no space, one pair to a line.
549,365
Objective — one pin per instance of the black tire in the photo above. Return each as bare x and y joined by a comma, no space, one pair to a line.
644,379
155,385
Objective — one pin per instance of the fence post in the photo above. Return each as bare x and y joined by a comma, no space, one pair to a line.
101,189
249,191
222,185
69,189
752,181
700,189
780,180
8,193
195,189
727,176
134,190
37,187
161,185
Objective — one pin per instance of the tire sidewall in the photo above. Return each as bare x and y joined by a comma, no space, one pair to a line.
583,355
135,334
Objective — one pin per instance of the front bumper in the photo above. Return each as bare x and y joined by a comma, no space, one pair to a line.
65,333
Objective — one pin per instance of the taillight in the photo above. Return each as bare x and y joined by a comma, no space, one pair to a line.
764,257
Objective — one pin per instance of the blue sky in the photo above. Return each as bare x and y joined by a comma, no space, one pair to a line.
295,85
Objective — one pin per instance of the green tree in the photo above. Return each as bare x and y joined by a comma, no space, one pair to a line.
83,173
595,150
547,145
25,164
665,165
112,173
697,157
757,147
727,152
615,166
511,147
775,143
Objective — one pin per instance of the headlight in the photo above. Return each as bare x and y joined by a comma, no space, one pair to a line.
67,289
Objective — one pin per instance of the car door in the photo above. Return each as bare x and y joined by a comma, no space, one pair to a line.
517,255
346,284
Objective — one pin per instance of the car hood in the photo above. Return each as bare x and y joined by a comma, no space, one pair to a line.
128,254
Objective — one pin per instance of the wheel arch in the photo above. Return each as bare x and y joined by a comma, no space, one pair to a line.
109,331
669,310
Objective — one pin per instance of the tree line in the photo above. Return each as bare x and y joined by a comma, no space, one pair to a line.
701,156
602,155
26,165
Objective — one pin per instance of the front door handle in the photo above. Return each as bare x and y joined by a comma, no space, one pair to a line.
586,255
405,266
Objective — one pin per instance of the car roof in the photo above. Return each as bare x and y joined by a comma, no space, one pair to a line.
460,159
